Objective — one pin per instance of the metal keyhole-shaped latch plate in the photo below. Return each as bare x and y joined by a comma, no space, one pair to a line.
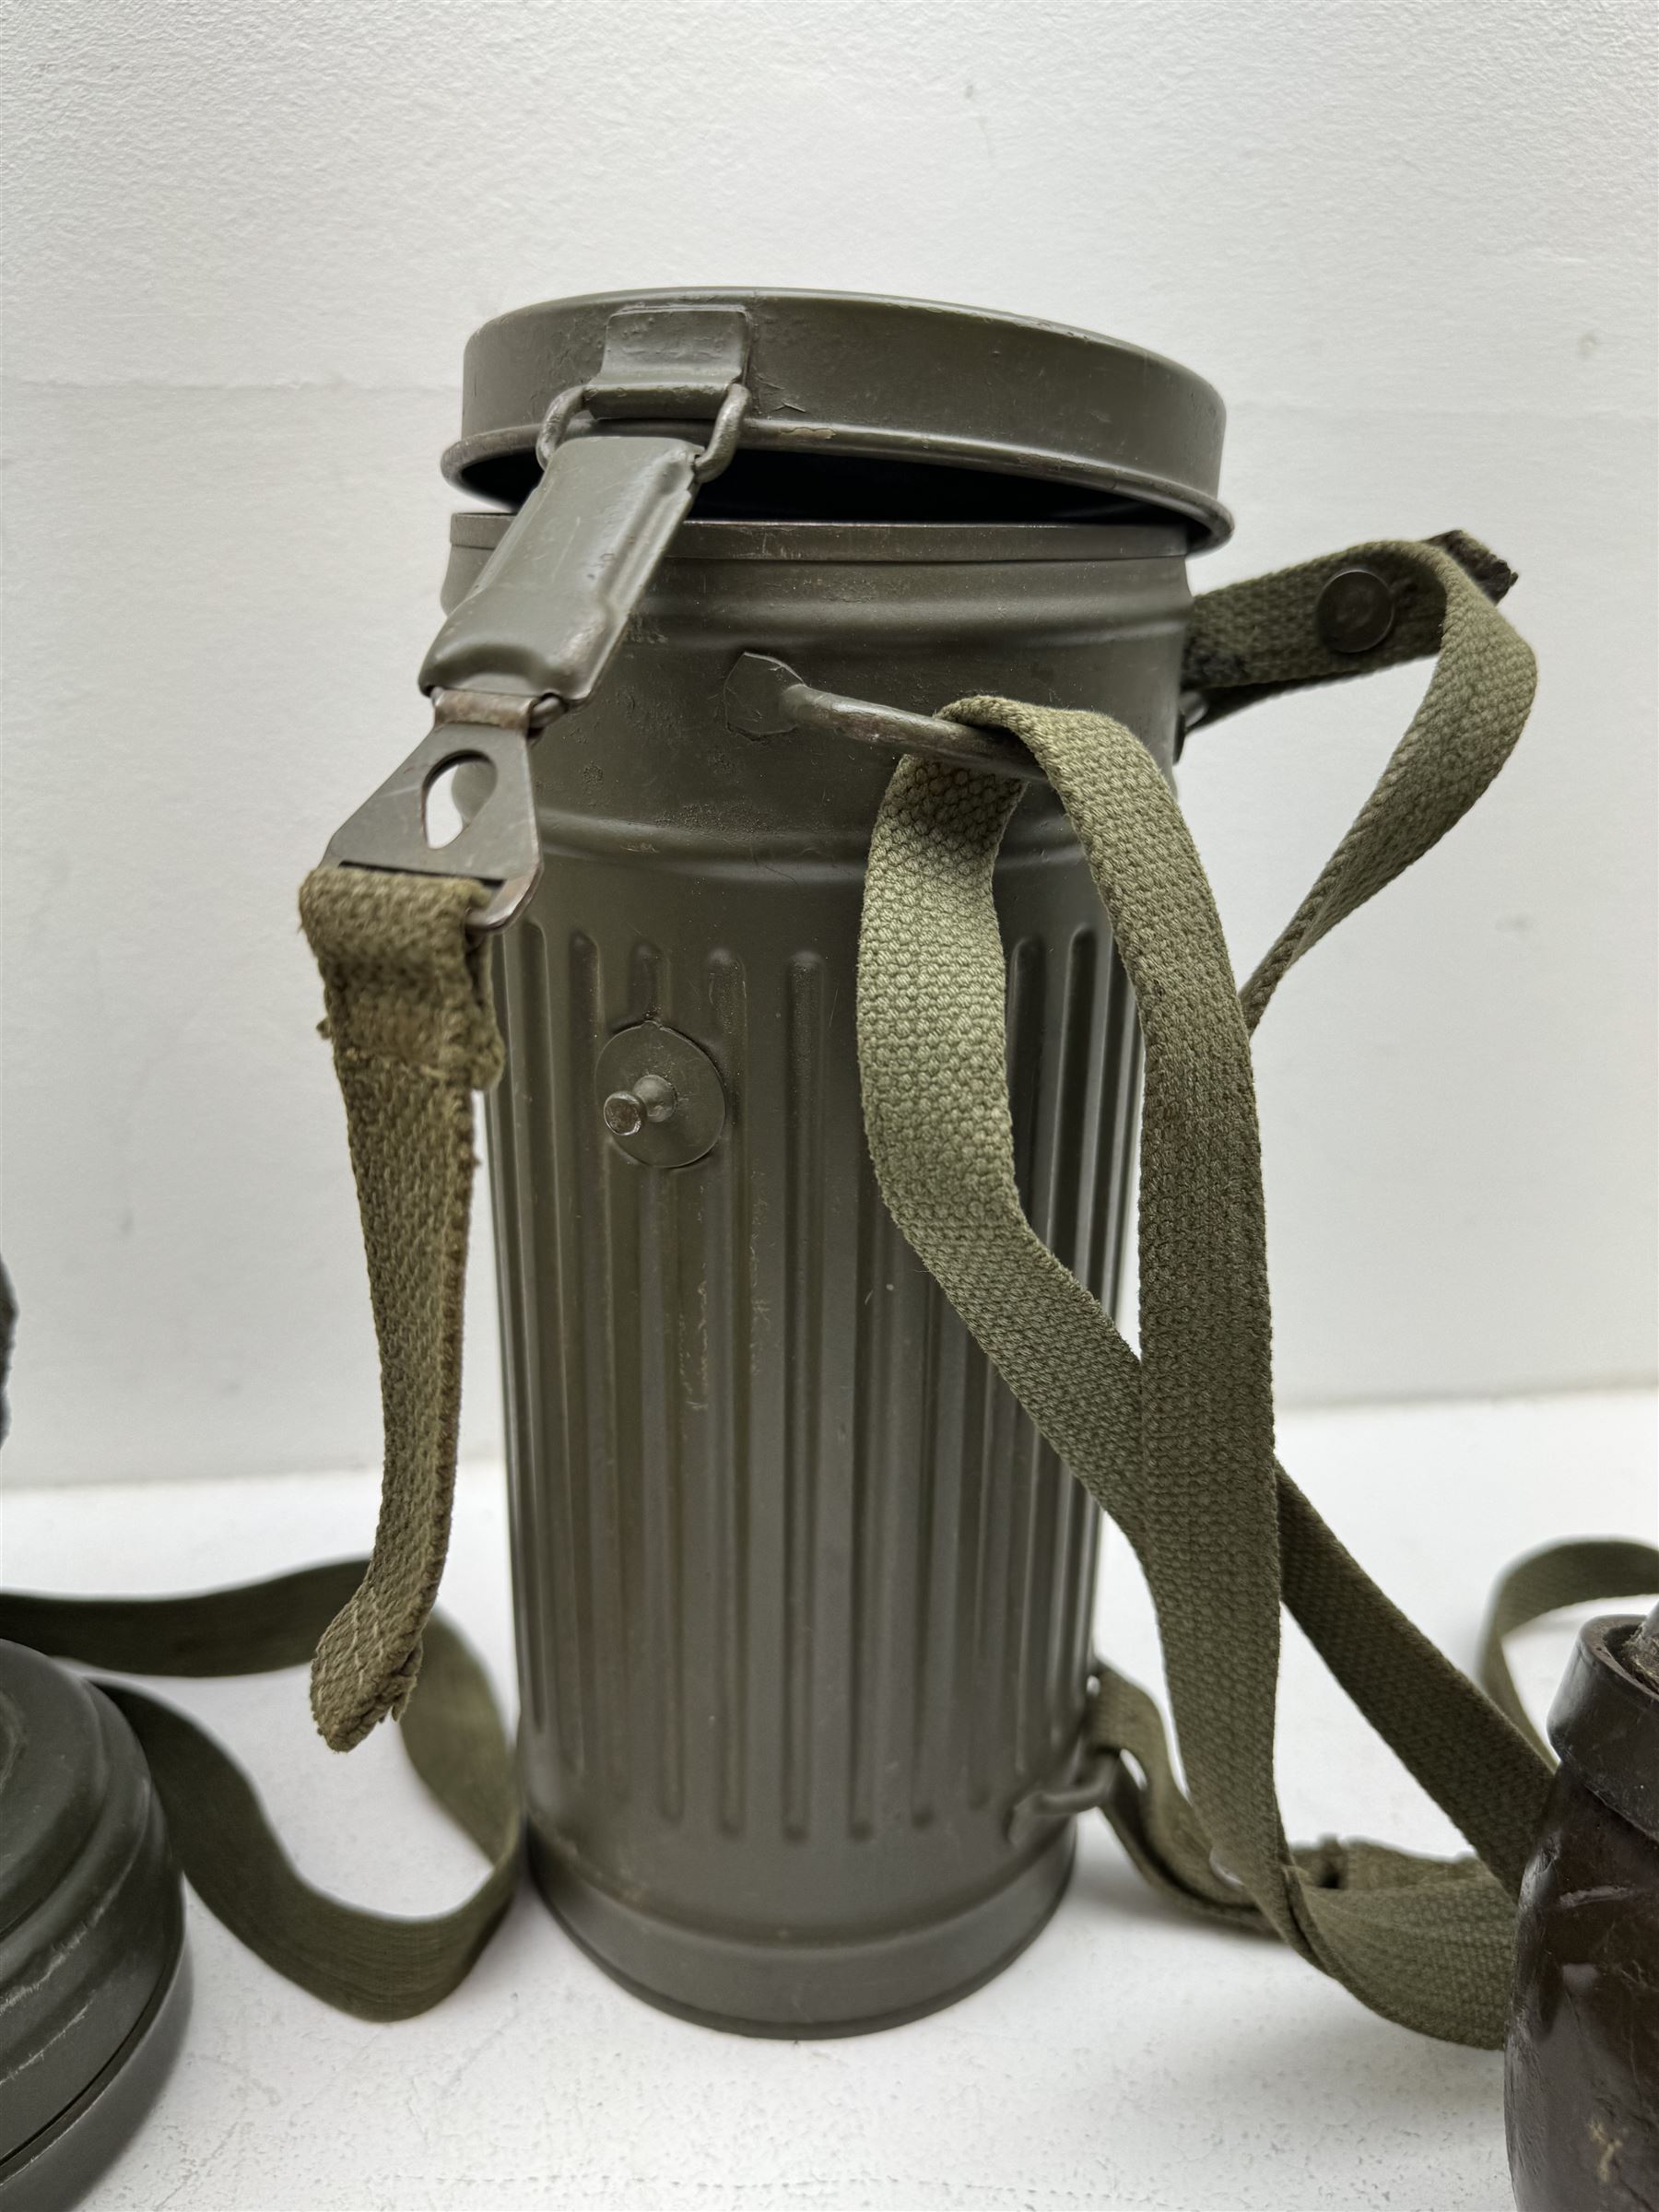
660,1097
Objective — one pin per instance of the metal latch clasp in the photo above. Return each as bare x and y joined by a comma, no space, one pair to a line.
534,637
498,843
553,600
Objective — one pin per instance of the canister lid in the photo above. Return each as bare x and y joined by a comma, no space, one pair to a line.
1605,1720
884,409
91,1932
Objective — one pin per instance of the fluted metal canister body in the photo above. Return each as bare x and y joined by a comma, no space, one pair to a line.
803,1601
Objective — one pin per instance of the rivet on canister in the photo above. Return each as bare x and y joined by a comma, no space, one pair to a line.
651,1099
660,1096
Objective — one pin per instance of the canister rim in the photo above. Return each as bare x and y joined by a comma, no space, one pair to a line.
480,529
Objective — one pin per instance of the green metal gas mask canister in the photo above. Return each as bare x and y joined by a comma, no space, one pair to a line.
803,1598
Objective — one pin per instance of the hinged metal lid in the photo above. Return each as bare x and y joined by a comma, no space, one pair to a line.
899,380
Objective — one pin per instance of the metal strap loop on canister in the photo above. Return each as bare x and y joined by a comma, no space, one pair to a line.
1328,620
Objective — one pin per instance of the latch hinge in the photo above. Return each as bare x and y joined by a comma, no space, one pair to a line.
676,363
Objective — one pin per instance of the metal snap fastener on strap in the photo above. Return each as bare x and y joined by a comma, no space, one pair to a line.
1355,612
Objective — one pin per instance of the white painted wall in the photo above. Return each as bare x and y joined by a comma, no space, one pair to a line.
244,244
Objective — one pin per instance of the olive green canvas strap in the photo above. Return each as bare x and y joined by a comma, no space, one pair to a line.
414,1033
1250,642
372,1964
1177,1446
1585,1572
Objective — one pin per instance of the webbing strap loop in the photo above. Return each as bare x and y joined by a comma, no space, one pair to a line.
1177,1445
372,1964
414,1033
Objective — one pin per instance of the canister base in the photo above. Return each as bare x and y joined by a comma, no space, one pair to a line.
802,1990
